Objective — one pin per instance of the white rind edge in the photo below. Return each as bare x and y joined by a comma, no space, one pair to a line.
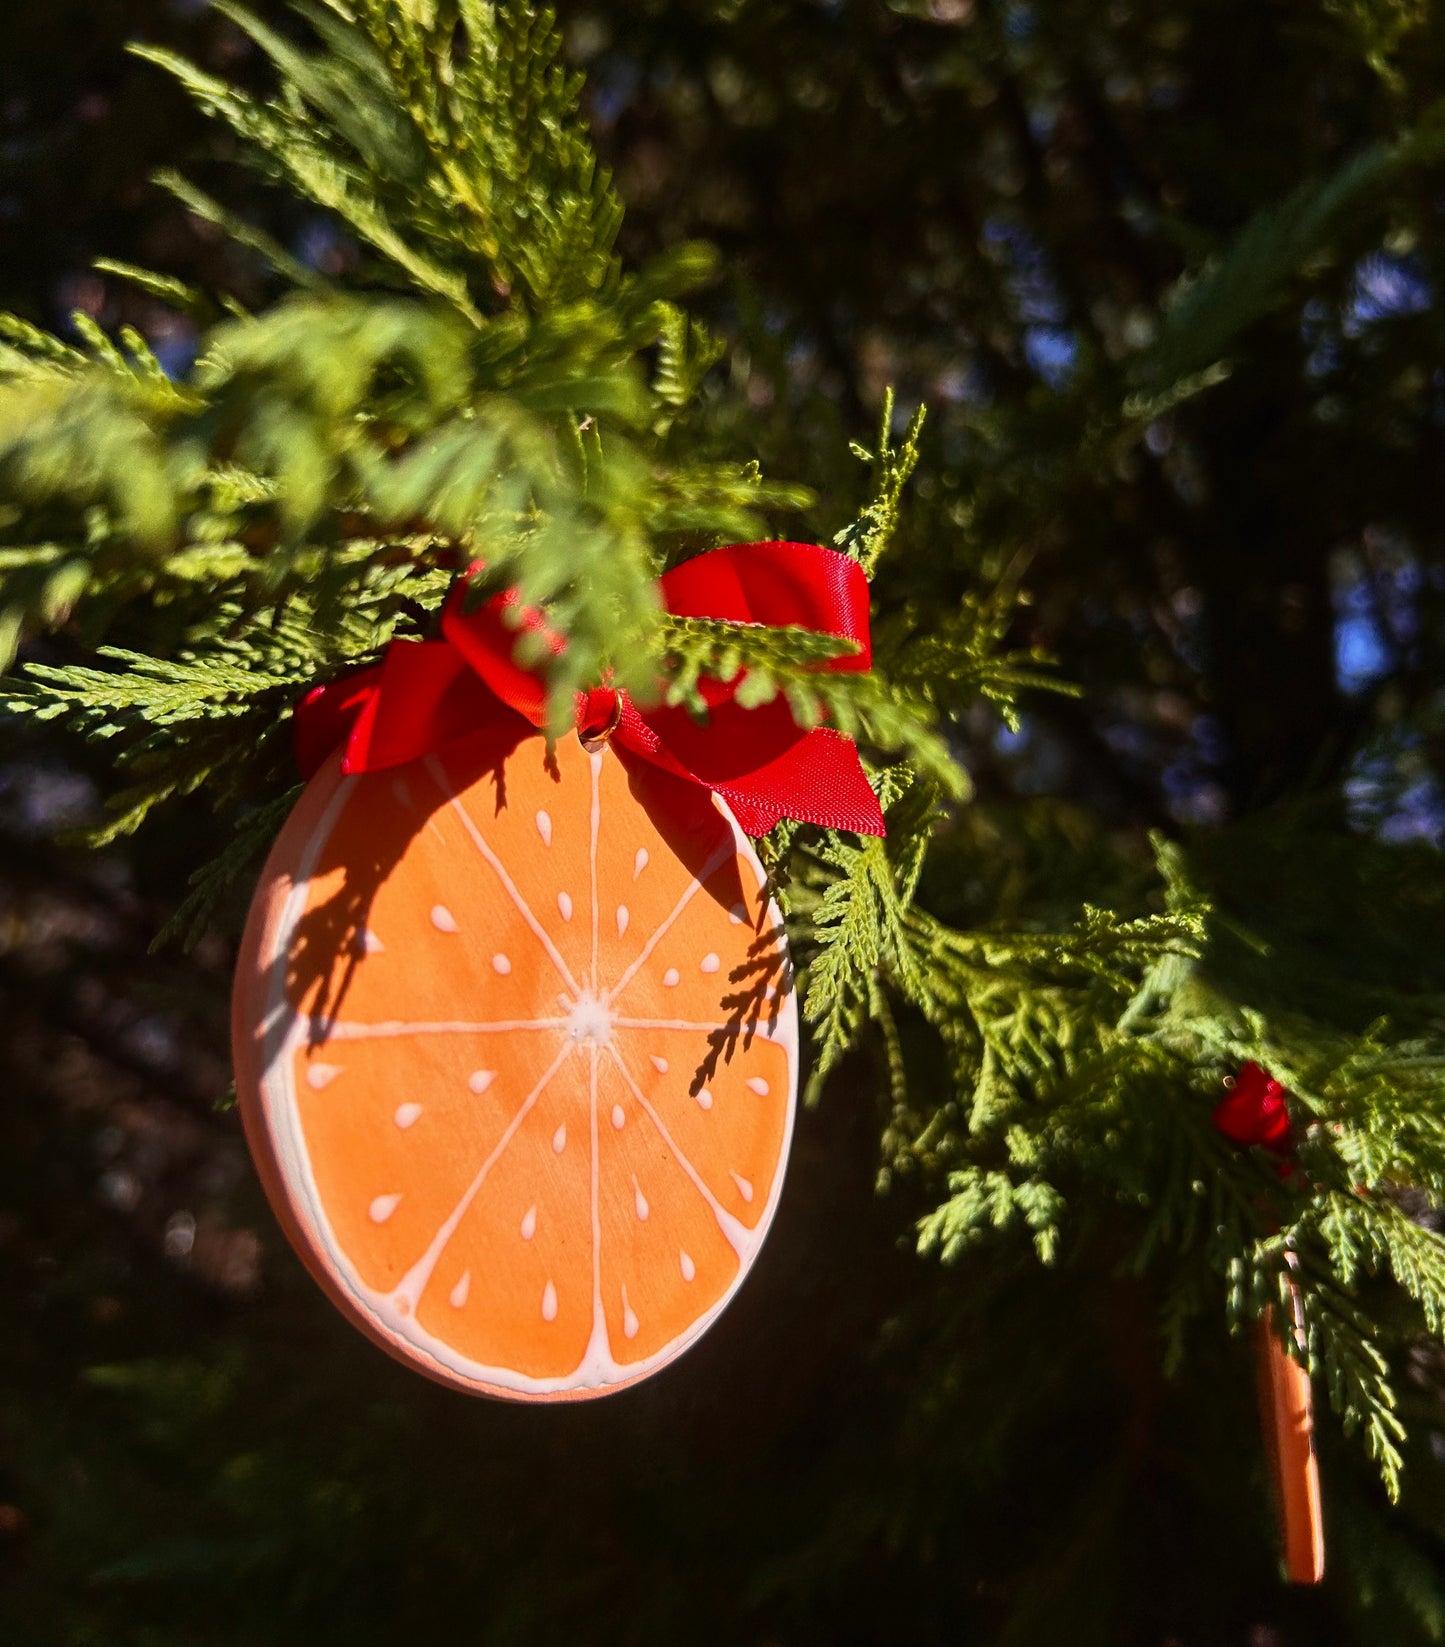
282,1033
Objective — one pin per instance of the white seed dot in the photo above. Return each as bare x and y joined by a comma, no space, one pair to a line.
622,919
710,963
630,1322
559,1138
544,828
642,1207
443,919
745,1189
688,1268
659,1064
529,1223
549,1302
672,977
321,1075
407,1116
480,1079
639,863
758,1085
383,1206
564,904
459,1292
619,1120
368,943
704,1099
738,914
501,965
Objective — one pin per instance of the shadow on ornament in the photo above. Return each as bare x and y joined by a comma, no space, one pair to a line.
332,939
685,816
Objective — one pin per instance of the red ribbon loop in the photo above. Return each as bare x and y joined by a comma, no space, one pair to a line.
424,694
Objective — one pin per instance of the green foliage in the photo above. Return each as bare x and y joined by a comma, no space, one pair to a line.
1381,27
1211,310
344,452
951,657
446,138
209,718
1086,1066
487,386
867,538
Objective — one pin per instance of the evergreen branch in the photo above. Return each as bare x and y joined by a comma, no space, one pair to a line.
983,1202
73,441
498,400
964,653
848,928
270,251
686,353
708,647
175,294
867,538
210,884
39,587
1249,279
1342,1349
34,352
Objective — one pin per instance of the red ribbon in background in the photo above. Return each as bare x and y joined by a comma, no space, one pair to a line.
424,694
1255,1113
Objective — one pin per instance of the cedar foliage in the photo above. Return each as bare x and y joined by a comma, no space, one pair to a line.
1039,1016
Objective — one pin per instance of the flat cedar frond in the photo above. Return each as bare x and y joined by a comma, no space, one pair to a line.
1212,309
980,1202
452,147
210,884
953,656
870,535
1081,1061
724,651
484,391
41,586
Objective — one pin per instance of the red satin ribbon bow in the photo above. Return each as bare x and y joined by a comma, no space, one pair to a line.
424,694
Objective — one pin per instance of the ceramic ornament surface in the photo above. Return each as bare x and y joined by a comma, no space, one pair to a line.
517,1053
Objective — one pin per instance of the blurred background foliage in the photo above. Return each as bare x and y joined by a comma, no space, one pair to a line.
986,203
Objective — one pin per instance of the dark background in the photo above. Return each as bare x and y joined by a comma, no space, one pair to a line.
984,204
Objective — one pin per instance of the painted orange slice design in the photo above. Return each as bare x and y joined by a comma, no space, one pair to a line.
516,1046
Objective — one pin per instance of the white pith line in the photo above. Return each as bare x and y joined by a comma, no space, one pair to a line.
414,1282
595,761
366,1032
710,868
479,841
741,1027
725,1220
599,1316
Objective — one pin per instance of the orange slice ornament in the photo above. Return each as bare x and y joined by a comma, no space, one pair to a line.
517,1053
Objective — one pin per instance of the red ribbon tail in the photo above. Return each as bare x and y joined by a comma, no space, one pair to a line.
814,777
